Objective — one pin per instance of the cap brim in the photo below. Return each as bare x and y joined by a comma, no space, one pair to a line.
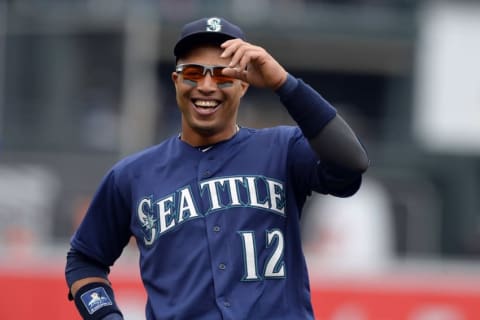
194,40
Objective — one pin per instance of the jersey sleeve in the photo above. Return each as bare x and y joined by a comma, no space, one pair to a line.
303,165
105,229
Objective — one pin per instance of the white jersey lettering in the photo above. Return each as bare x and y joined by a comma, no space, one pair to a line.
186,207
165,213
219,193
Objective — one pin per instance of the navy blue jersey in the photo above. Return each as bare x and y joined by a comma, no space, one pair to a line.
218,230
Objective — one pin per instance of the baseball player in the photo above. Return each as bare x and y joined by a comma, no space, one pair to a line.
215,210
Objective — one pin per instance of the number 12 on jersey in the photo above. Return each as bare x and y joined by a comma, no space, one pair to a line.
274,265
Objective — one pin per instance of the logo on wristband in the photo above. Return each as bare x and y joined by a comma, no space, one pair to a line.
95,299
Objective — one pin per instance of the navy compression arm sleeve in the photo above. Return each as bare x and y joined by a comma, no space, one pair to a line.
306,106
79,266
329,135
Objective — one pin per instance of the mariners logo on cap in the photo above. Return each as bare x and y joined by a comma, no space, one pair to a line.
214,25
95,299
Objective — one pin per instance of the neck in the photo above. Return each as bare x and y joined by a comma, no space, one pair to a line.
202,139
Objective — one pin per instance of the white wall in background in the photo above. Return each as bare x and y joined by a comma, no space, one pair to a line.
447,94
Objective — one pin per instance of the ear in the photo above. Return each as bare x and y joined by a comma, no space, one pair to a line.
174,77
244,85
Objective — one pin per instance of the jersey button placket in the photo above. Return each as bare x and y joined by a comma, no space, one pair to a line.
206,174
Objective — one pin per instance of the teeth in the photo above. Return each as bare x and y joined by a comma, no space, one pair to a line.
206,103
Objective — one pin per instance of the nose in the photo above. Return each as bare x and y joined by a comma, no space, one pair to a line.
207,83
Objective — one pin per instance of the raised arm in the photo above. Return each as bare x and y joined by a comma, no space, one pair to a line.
343,157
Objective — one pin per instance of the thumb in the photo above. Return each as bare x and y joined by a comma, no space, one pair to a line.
235,73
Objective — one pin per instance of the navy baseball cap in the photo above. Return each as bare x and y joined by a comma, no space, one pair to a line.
206,30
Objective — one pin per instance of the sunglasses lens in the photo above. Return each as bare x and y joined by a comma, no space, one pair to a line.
192,72
219,77
195,73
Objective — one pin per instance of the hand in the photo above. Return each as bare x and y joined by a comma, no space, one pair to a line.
252,64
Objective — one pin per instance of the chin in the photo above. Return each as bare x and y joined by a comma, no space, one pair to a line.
206,130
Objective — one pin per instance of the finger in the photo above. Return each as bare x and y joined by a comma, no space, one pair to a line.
245,54
230,46
227,43
237,49
235,73
238,55
250,57
232,72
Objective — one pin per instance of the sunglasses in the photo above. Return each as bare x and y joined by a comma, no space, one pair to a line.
192,73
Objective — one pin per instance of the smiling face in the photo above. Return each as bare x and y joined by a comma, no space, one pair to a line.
209,111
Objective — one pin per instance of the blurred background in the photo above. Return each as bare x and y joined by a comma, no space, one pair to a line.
86,82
